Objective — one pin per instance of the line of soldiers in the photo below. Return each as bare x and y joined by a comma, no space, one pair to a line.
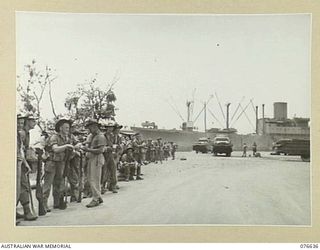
80,165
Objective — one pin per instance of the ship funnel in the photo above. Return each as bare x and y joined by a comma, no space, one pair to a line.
280,110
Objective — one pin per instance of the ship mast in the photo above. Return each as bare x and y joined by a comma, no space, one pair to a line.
205,117
227,120
188,110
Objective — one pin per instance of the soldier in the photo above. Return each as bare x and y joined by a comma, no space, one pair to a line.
173,150
59,149
153,146
74,171
24,138
94,147
254,149
244,154
159,150
109,169
148,150
20,157
166,151
143,152
81,137
22,163
128,164
136,144
117,149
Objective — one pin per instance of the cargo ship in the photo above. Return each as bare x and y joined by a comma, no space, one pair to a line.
268,130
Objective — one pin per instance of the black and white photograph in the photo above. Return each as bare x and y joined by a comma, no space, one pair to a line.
163,119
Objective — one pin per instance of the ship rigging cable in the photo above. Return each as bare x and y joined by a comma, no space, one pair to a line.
215,117
247,118
241,113
192,106
176,107
235,112
224,117
202,109
176,111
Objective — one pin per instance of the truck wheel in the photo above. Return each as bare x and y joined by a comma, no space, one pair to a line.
197,152
228,154
305,158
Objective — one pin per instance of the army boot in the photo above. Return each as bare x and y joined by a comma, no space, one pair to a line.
62,203
56,202
27,213
45,205
19,216
113,189
103,189
139,173
73,194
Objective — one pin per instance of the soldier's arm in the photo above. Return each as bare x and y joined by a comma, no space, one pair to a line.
98,150
53,142
59,149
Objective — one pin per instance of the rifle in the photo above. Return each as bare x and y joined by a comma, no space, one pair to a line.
30,193
81,176
66,173
39,190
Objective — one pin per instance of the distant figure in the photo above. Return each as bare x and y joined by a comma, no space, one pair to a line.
254,149
173,150
244,154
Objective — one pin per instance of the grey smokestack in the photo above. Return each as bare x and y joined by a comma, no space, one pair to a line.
280,110
263,119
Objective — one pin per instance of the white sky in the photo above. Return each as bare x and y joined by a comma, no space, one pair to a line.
165,57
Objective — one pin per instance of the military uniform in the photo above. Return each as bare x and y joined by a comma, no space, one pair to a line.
117,152
159,151
109,173
166,151
24,187
95,163
74,176
151,151
143,151
136,144
173,150
244,154
55,168
20,156
128,165
24,194
254,149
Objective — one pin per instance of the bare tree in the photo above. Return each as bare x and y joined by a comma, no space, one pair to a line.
32,84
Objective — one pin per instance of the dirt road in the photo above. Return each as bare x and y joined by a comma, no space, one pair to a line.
272,190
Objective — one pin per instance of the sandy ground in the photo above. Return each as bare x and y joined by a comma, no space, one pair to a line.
272,190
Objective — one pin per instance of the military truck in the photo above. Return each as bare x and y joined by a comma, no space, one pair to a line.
203,145
222,145
299,147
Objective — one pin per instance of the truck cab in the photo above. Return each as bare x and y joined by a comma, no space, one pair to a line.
222,145
203,145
